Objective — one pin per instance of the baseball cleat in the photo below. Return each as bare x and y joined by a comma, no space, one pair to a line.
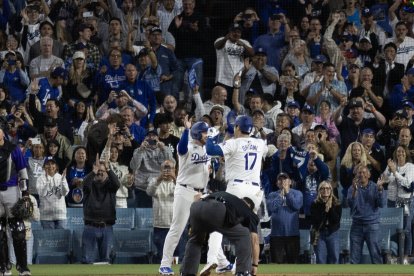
207,268
166,270
225,269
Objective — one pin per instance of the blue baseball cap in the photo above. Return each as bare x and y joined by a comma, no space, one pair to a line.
401,114
49,159
322,126
236,26
408,103
368,131
320,58
366,12
251,91
260,51
59,72
410,71
308,108
347,36
293,104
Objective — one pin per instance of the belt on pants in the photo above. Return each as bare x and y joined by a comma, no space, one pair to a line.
100,224
247,182
195,189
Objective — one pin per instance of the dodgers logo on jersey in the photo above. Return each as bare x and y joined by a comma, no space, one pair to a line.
197,159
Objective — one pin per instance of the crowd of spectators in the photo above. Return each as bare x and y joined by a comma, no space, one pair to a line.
329,85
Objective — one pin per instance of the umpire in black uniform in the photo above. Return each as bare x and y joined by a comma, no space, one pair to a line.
226,214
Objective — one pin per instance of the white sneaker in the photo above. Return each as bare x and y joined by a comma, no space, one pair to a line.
207,268
7,273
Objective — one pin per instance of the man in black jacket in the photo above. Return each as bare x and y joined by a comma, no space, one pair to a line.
100,187
387,72
229,215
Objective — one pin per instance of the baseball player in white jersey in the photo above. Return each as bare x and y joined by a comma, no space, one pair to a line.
192,178
243,163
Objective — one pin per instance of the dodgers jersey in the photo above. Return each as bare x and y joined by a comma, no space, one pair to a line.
194,166
244,158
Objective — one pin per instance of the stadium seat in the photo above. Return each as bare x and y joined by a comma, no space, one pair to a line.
305,246
52,246
344,246
392,219
133,246
346,220
143,218
74,218
125,218
76,246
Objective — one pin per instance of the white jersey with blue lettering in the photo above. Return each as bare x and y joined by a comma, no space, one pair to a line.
194,166
243,158
405,50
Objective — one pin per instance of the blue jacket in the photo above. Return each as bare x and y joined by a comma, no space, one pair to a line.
294,162
365,206
284,213
138,132
142,92
5,15
46,92
16,82
112,79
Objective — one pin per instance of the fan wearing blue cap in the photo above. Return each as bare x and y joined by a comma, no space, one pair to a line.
409,109
48,88
403,91
314,75
293,110
307,115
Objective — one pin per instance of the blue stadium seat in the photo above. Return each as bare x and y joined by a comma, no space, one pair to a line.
305,246
133,246
346,220
392,219
77,246
344,246
74,218
143,218
52,246
125,218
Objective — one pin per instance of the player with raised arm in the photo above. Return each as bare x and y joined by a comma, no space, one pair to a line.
192,178
243,157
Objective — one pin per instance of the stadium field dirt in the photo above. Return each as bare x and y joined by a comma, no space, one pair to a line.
264,270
